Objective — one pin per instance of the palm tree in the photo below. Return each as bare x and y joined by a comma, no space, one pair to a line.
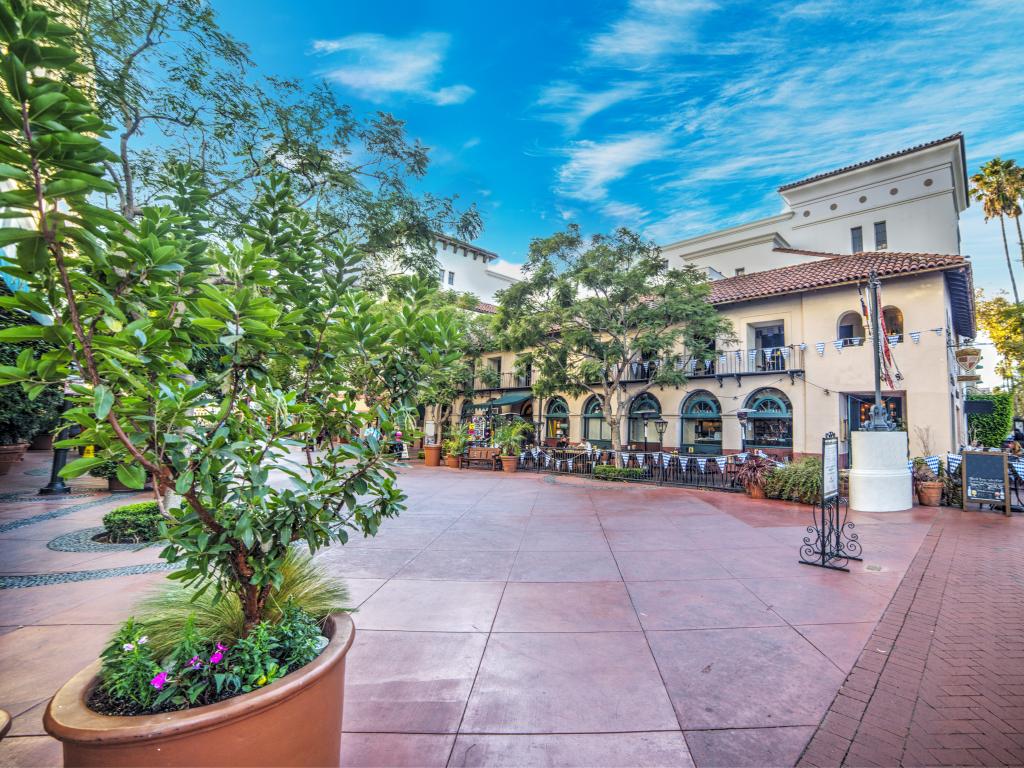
1016,177
996,187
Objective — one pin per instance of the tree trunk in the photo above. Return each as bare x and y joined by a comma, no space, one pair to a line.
1020,238
254,599
613,423
1009,263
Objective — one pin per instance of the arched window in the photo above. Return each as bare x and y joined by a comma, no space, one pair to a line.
595,428
556,418
646,406
770,420
893,319
701,423
851,329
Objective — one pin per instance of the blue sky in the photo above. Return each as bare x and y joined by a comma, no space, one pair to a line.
673,117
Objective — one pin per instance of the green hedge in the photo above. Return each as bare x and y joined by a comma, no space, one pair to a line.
990,429
133,522
798,481
608,472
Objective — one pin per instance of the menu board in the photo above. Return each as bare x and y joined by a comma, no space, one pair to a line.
986,479
829,467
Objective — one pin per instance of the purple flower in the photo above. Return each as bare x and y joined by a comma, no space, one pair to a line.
195,662
128,647
216,657
221,648
159,681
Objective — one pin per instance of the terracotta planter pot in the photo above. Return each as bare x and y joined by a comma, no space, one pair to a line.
295,721
116,486
10,455
452,462
929,493
755,492
509,463
43,442
432,455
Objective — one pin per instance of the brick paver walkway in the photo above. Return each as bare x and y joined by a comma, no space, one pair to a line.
941,679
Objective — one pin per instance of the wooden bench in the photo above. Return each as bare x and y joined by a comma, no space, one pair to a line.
489,457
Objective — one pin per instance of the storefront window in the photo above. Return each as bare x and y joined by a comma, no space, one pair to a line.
770,422
595,428
701,423
644,406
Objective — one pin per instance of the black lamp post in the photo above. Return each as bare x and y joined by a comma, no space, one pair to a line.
57,486
661,425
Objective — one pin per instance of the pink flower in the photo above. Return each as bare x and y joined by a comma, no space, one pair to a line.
216,657
221,648
195,663
159,681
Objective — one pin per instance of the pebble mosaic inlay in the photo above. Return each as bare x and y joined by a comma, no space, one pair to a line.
66,577
82,541
53,514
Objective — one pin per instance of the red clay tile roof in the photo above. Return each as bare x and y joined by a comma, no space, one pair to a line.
485,308
927,145
835,269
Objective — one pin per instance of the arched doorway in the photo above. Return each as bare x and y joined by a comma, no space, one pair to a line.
701,424
643,412
556,421
769,420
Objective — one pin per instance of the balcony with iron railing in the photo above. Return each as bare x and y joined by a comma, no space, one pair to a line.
494,381
733,362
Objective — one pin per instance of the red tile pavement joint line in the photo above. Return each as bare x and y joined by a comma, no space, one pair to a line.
941,680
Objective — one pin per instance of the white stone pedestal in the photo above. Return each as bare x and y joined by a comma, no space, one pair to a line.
879,478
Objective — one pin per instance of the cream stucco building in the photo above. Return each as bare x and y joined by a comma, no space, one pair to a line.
790,285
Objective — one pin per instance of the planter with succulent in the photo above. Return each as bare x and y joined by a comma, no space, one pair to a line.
753,474
509,439
207,362
926,484
455,445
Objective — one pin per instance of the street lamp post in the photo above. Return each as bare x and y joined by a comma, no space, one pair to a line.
57,486
645,432
661,425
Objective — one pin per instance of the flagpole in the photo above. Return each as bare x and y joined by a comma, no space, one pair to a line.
879,421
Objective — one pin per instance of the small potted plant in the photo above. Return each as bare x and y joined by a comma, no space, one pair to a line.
112,470
455,445
18,422
753,473
509,438
927,486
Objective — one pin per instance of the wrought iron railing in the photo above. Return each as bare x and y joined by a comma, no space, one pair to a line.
661,468
725,363
505,380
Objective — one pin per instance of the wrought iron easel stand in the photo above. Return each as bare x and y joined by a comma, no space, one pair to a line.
831,542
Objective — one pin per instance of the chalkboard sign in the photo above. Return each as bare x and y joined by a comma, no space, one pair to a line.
986,479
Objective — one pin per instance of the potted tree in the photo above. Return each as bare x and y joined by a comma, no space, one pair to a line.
753,474
927,486
17,426
509,438
455,445
209,363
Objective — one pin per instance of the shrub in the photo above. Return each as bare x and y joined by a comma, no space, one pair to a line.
107,470
799,481
421,455
608,472
754,470
133,522
304,584
990,429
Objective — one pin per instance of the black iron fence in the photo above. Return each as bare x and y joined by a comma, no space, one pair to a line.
657,467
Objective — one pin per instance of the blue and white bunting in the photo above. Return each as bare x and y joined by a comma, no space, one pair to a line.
838,344
933,463
665,459
640,459
802,346
752,354
569,462
702,463
894,339
785,353
953,461
820,346
915,336
625,459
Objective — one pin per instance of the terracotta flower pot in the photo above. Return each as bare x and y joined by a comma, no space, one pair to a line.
291,722
10,455
452,462
509,463
755,491
929,493
432,455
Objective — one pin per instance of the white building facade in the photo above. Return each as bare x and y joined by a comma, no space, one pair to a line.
467,268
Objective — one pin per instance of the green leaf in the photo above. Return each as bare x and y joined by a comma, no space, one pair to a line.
79,467
103,399
22,333
14,76
10,235
131,475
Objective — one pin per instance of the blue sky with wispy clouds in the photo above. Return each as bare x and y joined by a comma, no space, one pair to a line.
674,117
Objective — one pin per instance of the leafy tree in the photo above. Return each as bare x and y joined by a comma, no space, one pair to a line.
998,185
590,311
182,91
132,300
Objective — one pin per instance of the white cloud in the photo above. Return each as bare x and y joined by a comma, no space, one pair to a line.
592,166
570,106
649,29
378,67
